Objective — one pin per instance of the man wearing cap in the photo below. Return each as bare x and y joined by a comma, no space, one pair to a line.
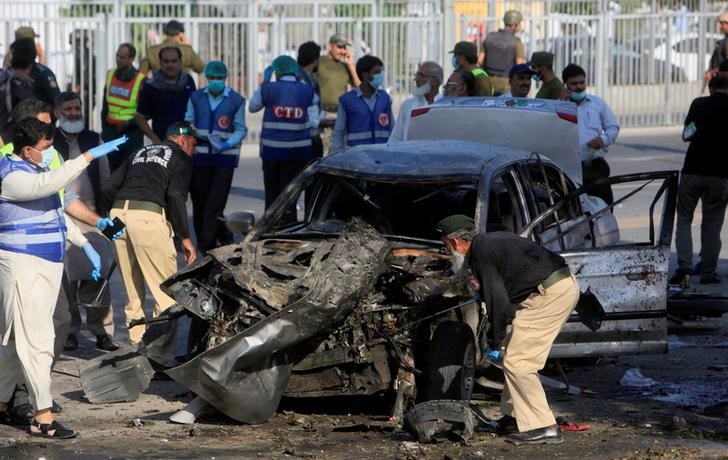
121,98
336,73
720,52
465,56
532,288
519,81
16,85
542,63
164,96
175,32
148,193
365,113
26,32
218,113
502,50
285,140
428,79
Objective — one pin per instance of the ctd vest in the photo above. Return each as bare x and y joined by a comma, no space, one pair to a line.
500,52
35,227
219,124
366,126
286,135
122,97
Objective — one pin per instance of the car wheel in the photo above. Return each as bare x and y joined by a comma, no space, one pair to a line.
451,370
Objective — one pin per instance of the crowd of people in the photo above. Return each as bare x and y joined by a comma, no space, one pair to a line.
62,182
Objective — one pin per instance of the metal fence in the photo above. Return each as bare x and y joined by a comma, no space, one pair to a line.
648,65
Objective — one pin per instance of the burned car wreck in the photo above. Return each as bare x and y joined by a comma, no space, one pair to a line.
344,287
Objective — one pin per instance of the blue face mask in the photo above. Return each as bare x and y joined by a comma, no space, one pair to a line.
47,157
576,96
377,80
455,63
216,86
536,77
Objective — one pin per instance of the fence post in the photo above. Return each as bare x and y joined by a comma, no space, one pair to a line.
667,117
449,35
601,67
252,56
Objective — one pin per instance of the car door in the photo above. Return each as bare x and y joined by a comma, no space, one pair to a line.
626,274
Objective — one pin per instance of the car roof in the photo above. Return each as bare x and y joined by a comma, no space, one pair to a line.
515,103
422,159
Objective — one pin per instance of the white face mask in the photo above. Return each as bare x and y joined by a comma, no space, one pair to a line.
71,126
422,90
458,263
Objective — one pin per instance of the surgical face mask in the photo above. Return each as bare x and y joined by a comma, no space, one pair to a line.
377,80
216,86
47,157
577,96
458,263
455,63
71,126
536,77
422,90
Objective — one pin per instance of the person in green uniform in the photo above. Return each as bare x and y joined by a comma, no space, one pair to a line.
542,62
465,56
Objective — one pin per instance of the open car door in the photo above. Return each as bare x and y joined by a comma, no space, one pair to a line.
626,269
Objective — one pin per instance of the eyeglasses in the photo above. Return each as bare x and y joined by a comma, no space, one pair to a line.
453,84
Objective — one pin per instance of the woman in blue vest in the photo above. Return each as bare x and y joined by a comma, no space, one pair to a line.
365,113
33,237
218,113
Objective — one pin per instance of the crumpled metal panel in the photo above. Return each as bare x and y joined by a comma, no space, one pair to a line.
245,376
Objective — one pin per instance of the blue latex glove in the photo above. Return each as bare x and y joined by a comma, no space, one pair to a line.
224,146
494,356
104,222
95,260
268,73
107,147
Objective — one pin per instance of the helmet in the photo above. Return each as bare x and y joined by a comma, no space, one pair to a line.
512,17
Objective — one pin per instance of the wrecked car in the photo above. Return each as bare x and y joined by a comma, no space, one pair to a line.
344,287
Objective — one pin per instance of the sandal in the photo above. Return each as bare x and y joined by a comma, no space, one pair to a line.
51,430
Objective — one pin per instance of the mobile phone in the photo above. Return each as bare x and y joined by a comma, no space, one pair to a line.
118,226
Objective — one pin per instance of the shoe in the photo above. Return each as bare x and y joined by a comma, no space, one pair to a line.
697,268
547,435
104,342
679,276
713,278
506,425
56,408
71,342
51,430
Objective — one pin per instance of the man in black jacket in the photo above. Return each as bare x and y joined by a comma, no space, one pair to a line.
148,193
532,288
704,177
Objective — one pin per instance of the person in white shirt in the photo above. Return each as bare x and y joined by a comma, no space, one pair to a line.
428,79
598,128
519,81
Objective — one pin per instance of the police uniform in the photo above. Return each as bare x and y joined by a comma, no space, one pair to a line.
502,48
213,169
45,86
285,140
121,97
190,60
32,247
365,122
148,193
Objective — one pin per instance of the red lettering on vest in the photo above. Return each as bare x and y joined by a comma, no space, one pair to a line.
291,113
383,119
223,122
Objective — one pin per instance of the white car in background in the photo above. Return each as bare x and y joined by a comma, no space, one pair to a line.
685,52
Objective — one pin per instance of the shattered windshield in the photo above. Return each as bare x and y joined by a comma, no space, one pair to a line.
408,208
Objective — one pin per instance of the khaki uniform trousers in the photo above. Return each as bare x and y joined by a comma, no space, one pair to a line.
534,329
145,252
29,288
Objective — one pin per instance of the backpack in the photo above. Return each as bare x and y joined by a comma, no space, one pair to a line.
14,87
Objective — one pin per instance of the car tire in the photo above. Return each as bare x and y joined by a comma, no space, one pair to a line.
451,369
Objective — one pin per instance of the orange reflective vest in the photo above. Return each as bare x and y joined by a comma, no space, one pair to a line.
122,97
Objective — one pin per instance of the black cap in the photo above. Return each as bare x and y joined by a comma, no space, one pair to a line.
182,128
173,28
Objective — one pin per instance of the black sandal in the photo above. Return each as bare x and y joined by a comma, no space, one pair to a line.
44,430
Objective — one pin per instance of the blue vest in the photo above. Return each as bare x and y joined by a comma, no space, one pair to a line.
286,135
365,126
35,227
219,123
